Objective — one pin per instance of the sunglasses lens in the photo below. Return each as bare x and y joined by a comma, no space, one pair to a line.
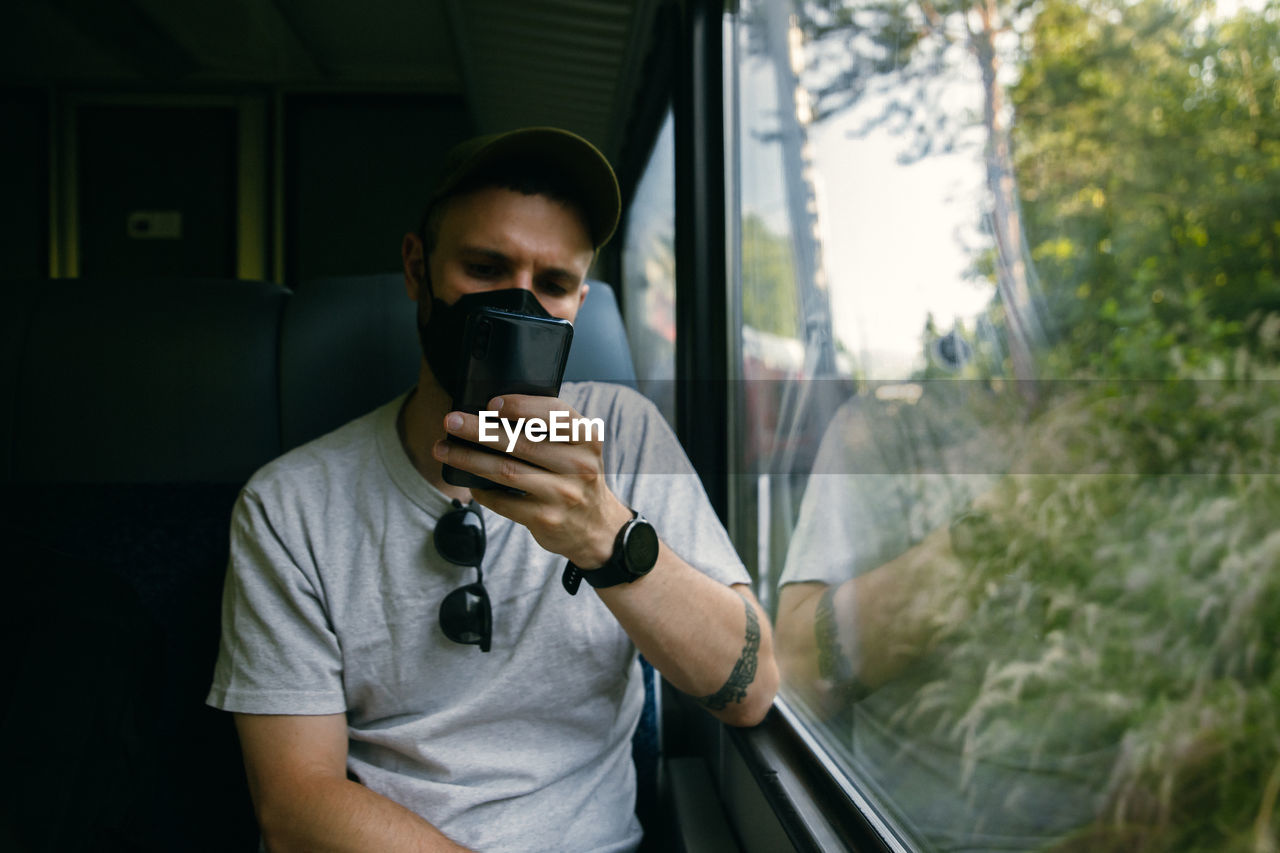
459,536
465,616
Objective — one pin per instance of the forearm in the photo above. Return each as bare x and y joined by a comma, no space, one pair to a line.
705,638
836,641
818,650
333,815
902,609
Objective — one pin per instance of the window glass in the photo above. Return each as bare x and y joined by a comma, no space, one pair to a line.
649,274
1010,289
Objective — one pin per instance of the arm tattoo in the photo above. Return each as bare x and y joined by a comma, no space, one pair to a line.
833,664
744,671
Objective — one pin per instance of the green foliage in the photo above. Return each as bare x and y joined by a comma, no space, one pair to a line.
1125,597
1148,158
1127,593
864,42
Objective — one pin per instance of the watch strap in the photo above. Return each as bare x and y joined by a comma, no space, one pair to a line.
612,573
571,579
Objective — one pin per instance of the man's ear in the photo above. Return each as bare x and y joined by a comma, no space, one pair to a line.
415,266
582,297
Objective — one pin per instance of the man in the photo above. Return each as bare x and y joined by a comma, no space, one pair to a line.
367,720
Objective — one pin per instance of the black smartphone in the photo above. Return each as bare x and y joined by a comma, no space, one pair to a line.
507,353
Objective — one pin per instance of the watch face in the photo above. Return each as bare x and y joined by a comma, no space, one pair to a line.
640,547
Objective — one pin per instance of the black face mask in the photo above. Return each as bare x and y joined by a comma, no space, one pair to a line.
441,335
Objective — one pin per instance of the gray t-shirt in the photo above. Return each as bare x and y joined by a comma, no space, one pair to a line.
332,605
886,476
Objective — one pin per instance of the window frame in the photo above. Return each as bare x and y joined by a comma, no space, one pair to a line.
813,803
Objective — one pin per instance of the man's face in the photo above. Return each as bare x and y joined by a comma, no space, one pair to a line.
496,238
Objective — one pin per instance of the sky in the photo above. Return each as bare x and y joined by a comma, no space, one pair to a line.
897,237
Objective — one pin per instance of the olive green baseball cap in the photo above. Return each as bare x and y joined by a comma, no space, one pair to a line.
571,158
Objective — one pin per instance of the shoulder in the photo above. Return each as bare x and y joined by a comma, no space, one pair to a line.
636,433
599,399
629,416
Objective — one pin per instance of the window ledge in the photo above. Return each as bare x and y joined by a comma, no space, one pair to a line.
814,802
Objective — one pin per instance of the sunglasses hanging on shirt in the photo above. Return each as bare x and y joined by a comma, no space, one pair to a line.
465,614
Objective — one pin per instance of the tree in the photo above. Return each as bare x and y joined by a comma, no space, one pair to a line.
912,42
769,29
1149,159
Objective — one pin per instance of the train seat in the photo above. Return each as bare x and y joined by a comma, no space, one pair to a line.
131,412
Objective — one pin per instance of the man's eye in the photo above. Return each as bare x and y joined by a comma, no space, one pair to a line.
482,270
552,289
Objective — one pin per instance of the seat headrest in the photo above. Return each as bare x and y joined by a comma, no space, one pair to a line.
600,350
347,345
137,381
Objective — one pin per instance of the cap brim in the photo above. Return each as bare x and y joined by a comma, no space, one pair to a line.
575,160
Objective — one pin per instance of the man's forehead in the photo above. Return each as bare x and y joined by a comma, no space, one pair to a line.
489,217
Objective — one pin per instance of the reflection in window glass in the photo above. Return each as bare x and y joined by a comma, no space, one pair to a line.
1011,340
649,274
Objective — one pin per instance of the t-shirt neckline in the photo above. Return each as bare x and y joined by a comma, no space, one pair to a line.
398,465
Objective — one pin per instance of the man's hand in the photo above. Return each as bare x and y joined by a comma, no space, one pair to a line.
567,505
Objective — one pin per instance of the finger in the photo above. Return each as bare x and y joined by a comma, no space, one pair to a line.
515,507
508,436
546,445
503,468
528,405
547,409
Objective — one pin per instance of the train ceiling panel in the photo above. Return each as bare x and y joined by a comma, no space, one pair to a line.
319,42
384,41
552,62
562,62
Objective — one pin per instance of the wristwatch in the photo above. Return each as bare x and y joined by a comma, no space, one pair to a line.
635,550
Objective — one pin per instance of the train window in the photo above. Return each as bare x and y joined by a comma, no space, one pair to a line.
649,273
1010,291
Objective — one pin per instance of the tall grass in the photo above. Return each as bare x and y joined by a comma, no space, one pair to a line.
1125,596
